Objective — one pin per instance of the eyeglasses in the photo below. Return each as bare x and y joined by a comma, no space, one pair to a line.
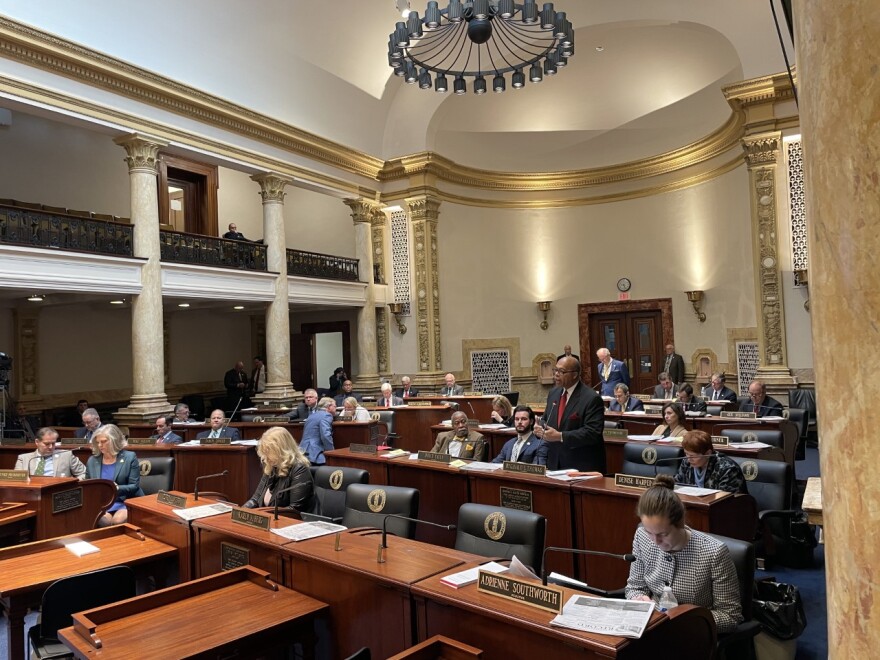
564,371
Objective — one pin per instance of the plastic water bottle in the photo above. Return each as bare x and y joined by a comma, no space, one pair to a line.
667,600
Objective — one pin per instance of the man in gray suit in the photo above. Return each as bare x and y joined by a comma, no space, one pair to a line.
46,462
218,430
451,389
666,389
388,399
91,422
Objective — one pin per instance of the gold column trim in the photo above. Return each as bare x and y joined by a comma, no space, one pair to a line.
362,210
424,212
142,152
271,186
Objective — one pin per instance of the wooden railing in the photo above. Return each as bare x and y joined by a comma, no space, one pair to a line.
201,250
327,266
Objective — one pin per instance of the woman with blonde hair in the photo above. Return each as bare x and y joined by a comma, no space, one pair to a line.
284,466
353,411
502,411
111,461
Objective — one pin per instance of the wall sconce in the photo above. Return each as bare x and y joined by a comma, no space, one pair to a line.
695,298
396,308
802,278
544,306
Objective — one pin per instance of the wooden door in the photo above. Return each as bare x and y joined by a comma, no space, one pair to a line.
302,360
636,338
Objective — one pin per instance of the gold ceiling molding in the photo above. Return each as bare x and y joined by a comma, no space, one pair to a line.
757,91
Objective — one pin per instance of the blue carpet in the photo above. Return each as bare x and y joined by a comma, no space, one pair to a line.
29,620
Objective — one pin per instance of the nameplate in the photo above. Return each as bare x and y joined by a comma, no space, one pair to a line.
15,440
526,468
251,519
516,498
276,420
141,441
215,441
13,475
633,481
731,414
701,398
653,410
615,433
67,500
473,394
720,440
544,598
177,501
435,457
356,448
642,397
419,404
233,556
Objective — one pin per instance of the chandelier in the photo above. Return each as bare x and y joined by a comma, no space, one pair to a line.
480,39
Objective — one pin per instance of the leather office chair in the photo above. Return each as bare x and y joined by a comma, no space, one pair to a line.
805,399
387,417
522,533
367,506
513,397
196,403
331,484
75,594
157,474
650,460
741,642
801,419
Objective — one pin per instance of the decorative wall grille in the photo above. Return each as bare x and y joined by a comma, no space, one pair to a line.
491,371
747,362
799,251
400,259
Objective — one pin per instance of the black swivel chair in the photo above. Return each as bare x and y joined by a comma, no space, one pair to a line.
387,417
331,484
513,397
75,594
636,457
801,419
740,644
196,403
522,533
367,506
157,474
805,399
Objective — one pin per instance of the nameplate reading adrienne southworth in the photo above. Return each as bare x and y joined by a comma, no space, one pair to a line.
177,501
721,440
731,414
251,519
233,556
527,468
615,433
67,500
434,456
633,481
356,448
545,598
215,441
13,475
141,441
516,498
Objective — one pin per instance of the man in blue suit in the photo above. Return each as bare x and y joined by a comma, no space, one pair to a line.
164,435
525,447
219,429
611,372
623,402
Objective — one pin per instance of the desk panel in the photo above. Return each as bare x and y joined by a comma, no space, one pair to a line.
374,464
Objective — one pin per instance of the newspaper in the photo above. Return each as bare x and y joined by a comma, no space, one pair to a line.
196,512
606,616
309,530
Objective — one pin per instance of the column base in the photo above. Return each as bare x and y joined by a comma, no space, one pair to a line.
777,379
277,395
144,408
368,382
429,379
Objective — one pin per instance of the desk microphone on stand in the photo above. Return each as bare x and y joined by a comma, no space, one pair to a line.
206,476
383,544
574,551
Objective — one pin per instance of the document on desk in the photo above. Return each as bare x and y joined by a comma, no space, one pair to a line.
206,511
750,445
645,438
482,466
309,530
695,491
606,616
471,575
396,453
494,427
80,548
247,443
571,475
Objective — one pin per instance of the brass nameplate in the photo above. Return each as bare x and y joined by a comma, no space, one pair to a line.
653,410
721,440
731,414
473,394
233,556
642,397
633,481
516,498
527,468
276,420
13,475
702,398
215,441
15,440
141,441
545,598
357,448
435,456
419,404
615,433
251,519
177,501
67,500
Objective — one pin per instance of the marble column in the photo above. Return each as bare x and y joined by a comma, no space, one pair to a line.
279,390
839,87
424,212
148,398
362,211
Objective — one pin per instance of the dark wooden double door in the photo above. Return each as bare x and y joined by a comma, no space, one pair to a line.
636,338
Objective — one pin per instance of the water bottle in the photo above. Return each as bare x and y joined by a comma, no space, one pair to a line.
667,600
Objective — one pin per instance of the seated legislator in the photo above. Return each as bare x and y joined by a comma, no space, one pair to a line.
759,403
164,435
112,461
347,391
318,432
674,426
284,466
450,388
502,411
406,389
352,411
219,429
688,401
623,401
91,421
181,415
573,422
46,462
699,568
525,447
666,388
388,399
306,407
704,468
461,441
716,390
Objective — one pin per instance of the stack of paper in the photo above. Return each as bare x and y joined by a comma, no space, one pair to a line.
80,548
464,578
205,511
309,530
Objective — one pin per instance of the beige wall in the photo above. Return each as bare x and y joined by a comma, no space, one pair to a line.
205,344
318,223
238,201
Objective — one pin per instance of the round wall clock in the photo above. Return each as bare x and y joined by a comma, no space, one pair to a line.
623,284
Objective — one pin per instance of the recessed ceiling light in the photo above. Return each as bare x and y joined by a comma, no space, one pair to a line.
599,49
37,298
238,307
118,302
183,305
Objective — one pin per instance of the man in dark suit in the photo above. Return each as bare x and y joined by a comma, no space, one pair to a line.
566,352
347,391
673,364
236,381
234,235
623,402
450,388
164,435
306,407
666,388
716,390
406,390
91,421
525,447
388,399
688,401
759,403
575,419
218,430
611,372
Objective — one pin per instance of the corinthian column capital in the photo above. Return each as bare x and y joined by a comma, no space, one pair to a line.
362,210
271,186
142,153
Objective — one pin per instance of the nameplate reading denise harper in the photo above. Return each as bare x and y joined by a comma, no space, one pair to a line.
251,519
633,481
536,595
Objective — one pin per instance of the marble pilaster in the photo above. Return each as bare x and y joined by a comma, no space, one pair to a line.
383,325
362,211
424,213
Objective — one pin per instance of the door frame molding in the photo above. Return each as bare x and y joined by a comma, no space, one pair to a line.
663,305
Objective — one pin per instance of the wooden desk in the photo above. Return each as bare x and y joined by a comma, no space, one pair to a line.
437,648
412,424
614,452
812,503
506,629
26,570
241,461
477,408
374,464
605,519
16,523
239,613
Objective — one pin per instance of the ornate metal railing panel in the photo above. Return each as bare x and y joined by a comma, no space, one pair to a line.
327,266
210,251
37,228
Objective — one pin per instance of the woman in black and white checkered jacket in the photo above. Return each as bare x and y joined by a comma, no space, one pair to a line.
669,554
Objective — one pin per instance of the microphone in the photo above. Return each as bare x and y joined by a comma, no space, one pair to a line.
384,544
278,492
472,409
206,476
547,413
232,416
450,404
575,551
33,458
597,384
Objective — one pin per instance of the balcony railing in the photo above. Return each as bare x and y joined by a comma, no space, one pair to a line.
210,251
36,227
327,266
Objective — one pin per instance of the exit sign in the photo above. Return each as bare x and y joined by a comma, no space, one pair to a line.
623,296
